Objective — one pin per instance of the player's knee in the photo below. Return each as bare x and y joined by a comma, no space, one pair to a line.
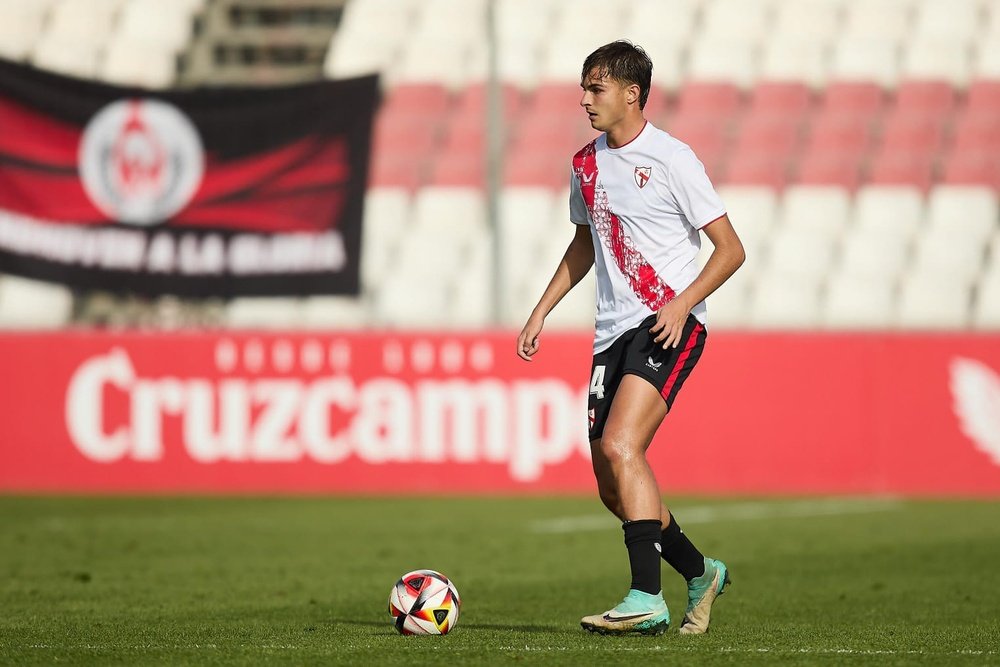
617,450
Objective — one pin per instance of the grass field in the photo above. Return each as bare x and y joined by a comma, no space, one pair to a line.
305,581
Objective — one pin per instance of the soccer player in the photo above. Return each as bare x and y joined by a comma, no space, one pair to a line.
639,198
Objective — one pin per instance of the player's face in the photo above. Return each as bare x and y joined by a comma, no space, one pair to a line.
604,99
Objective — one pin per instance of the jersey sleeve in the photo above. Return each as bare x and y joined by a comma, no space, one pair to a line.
577,207
693,193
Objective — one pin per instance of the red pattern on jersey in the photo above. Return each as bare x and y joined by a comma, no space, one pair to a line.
643,279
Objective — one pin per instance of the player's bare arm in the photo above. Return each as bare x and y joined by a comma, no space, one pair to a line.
722,263
573,266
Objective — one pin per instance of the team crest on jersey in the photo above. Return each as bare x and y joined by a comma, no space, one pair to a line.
642,175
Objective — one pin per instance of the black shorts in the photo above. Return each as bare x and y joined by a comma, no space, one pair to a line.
635,352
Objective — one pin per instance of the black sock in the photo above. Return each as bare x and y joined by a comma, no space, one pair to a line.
642,539
680,553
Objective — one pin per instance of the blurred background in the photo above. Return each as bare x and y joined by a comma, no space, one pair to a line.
856,144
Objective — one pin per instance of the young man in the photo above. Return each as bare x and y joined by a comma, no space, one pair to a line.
639,198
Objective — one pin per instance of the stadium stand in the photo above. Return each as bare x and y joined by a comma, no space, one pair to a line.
857,144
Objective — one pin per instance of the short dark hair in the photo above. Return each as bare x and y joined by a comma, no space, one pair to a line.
623,61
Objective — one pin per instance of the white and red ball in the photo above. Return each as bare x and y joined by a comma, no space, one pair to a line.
424,602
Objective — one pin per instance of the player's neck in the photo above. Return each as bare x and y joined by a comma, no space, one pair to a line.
626,131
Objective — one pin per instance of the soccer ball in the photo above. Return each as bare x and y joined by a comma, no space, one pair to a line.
424,602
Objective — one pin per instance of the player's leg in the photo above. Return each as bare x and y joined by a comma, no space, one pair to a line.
706,577
710,582
628,488
620,454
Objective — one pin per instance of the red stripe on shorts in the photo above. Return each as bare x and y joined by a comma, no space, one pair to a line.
681,359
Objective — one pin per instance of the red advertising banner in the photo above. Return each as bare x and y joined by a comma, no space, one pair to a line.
438,413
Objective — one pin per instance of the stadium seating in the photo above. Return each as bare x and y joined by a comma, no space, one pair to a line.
858,303
32,304
856,144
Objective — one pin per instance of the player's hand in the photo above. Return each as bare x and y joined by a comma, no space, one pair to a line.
670,322
527,342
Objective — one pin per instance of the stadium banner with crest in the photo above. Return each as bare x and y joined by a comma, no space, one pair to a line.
367,412
206,192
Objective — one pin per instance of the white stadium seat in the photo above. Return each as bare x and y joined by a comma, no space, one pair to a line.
388,208
21,25
401,303
937,58
964,210
802,61
952,256
471,289
369,37
873,256
517,64
386,218
425,255
800,255
446,19
822,210
588,17
432,60
807,21
933,301
450,14
260,312
858,303
992,11
393,17
727,63
890,210
130,63
70,58
780,303
729,306
653,23
357,53
83,21
32,304
524,21
987,58
334,312
450,213
883,20
957,21
166,25
865,59
525,215
726,23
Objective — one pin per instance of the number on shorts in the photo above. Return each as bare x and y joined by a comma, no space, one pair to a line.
597,382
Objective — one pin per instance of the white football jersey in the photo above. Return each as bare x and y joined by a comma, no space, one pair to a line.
645,202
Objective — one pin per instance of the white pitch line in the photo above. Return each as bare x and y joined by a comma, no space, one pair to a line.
610,648
751,511
657,648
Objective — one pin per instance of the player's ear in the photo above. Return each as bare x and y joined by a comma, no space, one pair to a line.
632,94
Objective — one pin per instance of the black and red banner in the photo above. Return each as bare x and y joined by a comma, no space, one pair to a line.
206,192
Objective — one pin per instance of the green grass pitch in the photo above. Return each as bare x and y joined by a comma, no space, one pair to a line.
304,581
